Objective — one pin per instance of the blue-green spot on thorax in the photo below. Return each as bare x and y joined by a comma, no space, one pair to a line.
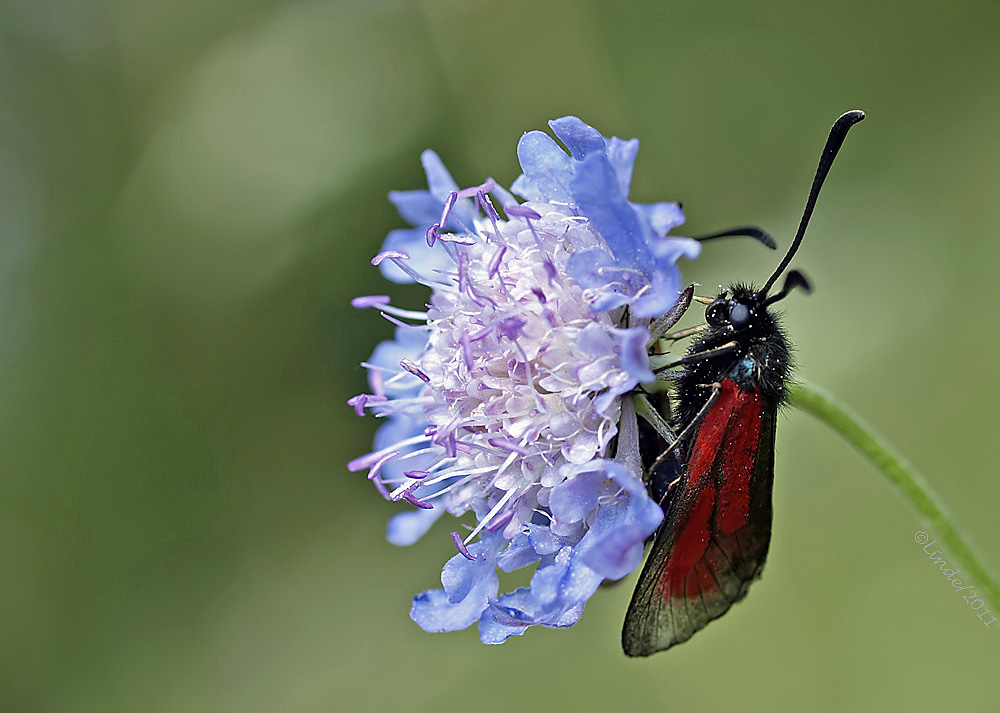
743,372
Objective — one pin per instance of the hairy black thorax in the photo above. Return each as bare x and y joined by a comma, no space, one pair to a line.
761,358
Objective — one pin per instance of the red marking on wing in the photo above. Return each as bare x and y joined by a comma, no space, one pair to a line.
711,432
737,464
690,545
727,445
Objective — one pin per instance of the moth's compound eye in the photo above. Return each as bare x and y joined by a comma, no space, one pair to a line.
739,315
717,313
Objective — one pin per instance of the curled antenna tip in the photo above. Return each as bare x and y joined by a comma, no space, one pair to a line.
848,119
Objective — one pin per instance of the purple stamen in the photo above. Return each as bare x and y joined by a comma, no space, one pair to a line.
463,446
414,500
484,332
487,204
494,263
460,546
369,301
358,402
512,327
380,487
415,370
432,234
373,473
462,266
521,211
456,238
401,323
500,521
397,322
398,258
476,297
466,345
402,490
540,294
445,431
508,444
389,255
374,470
362,462
471,191
448,205
416,474
551,272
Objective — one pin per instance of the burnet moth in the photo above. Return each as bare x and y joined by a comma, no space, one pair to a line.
714,477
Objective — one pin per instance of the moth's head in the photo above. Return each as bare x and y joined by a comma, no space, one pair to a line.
734,309
742,307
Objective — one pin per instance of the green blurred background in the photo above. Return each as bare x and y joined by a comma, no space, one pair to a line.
190,193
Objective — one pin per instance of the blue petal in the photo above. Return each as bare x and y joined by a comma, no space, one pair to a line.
665,285
560,584
599,196
406,528
503,620
468,588
434,613
559,590
547,170
625,478
669,250
396,429
439,181
634,359
595,341
580,138
585,266
542,540
571,500
595,177
519,553
418,208
662,217
546,581
622,156
614,543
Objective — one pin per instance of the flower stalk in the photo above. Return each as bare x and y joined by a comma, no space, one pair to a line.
902,476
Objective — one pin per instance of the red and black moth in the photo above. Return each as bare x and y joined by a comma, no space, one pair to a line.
714,478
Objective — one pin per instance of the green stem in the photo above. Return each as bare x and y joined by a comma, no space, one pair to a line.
903,477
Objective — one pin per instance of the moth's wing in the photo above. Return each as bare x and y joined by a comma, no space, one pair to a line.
715,537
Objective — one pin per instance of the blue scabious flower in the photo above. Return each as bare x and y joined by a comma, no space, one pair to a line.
509,397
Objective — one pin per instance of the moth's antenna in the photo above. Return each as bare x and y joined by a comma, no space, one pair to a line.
749,231
833,143
792,280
